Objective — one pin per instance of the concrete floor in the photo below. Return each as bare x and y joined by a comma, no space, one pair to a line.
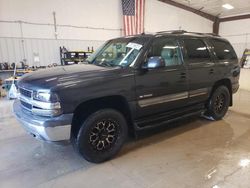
191,153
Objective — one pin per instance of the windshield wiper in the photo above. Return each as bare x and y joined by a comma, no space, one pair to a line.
102,64
106,64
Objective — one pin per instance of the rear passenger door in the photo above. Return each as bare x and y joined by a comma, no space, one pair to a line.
200,68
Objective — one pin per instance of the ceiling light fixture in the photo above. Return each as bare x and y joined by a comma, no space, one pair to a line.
244,162
228,6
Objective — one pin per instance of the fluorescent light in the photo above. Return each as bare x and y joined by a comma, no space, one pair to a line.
170,47
215,186
201,48
228,6
244,162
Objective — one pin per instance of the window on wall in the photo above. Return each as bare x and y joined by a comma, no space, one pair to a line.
168,49
196,50
223,50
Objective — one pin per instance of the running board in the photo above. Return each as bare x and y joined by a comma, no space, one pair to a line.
161,119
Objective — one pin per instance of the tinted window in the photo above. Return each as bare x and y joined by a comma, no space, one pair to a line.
196,50
168,49
223,50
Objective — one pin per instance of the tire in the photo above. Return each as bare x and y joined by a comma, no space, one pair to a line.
218,103
102,135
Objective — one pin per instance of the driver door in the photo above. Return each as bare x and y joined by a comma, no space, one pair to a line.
162,89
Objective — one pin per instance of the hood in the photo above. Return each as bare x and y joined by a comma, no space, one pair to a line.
64,76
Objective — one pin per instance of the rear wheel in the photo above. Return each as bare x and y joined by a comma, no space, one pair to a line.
218,103
102,135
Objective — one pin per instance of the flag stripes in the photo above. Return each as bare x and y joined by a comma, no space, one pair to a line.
133,16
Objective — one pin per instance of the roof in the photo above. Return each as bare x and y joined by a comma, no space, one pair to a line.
183,32
175,33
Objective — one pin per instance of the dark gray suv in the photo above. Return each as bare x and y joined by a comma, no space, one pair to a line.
129,84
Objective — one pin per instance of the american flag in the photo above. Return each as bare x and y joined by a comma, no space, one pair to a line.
133,16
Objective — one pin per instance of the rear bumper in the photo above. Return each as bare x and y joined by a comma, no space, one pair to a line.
44,128
235,87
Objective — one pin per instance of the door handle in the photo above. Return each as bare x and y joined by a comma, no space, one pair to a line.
211,71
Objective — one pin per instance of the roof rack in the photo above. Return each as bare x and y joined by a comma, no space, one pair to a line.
172,31
183,32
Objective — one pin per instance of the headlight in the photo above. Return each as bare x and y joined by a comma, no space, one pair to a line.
46,104
45,96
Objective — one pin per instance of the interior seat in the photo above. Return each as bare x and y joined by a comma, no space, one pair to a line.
168,55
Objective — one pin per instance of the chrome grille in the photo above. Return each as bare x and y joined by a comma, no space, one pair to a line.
25,92
25,98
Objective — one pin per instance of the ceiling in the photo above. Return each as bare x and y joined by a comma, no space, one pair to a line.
214,7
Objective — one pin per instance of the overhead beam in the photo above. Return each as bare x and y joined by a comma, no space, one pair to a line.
216,26
233,18
216,20
190,9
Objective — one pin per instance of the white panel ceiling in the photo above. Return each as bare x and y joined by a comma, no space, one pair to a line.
215,8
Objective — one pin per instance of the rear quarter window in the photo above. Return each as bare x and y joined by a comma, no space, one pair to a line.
223,50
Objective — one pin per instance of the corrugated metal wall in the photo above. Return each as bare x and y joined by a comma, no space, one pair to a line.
17,49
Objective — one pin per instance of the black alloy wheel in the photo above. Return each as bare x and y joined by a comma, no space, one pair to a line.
219,103
102,135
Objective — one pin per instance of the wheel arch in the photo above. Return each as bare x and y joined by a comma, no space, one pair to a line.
84,109
226,82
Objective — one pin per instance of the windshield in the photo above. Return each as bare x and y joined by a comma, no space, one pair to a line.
115,53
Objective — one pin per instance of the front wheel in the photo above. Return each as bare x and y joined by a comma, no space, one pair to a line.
218,103
102,135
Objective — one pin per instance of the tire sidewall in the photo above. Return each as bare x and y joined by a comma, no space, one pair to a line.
220,90
82,142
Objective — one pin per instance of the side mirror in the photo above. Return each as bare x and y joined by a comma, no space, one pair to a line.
155,62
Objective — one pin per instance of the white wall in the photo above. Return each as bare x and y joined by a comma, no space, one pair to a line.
94,13
245,79
105,14
238,33
160,16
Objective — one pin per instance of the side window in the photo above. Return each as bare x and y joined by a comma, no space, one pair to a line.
223,50
168,49
196,50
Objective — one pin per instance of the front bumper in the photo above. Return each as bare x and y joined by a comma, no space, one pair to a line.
44,128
